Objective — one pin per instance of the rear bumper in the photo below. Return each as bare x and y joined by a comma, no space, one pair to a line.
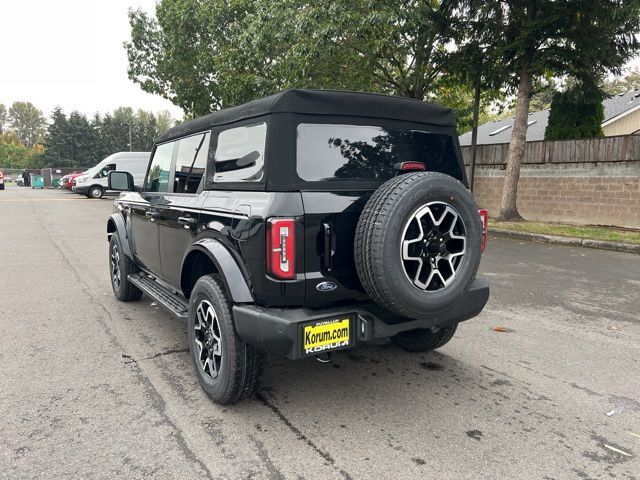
278,330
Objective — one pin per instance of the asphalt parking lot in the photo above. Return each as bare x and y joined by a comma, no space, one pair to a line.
94,388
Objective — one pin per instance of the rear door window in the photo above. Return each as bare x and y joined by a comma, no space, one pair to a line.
361,152
239,155
191,161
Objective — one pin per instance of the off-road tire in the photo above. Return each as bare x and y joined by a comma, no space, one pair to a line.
424,340
124,291
378,238
95,192
242,365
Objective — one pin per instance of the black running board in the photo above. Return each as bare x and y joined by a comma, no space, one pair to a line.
173,302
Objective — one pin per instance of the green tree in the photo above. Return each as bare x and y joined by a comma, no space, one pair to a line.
618,85
537,38
576,113
3,117
56,142
205,55
13,154
27,122
82,140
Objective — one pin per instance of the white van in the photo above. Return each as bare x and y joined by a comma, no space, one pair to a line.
93,183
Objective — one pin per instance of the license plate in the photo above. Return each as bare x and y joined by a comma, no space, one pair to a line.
324,335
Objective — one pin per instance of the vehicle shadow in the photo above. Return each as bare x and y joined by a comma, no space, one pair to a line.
375,382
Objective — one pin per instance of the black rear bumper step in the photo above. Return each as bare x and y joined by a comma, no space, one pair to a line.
173,302
278,330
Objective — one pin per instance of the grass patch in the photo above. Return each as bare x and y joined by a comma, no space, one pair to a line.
611,234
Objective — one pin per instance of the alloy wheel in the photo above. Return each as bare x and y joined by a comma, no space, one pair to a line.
115,266
208,339
433,246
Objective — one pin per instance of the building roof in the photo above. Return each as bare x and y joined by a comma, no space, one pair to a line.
499,131
322,102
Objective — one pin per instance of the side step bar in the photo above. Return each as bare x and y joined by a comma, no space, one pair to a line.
173,302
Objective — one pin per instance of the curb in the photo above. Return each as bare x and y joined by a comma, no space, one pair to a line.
578,242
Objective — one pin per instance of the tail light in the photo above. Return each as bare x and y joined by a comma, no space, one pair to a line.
483,217
281,248
410,166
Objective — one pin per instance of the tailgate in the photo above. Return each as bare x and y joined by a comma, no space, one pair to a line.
330,221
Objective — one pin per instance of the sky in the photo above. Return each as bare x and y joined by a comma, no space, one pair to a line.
69,53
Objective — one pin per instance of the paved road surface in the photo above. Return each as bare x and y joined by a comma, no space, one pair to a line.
94,388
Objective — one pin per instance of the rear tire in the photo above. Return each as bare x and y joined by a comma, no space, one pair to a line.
228,369
119,269
424,340
95,192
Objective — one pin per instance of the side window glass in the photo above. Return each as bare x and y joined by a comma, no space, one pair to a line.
105,170
191,161
239,154
158,176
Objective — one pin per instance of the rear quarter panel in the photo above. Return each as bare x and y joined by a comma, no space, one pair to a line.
238,220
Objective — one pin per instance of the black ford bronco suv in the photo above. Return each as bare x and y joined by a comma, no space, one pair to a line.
300,224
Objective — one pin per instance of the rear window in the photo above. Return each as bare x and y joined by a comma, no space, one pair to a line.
360,152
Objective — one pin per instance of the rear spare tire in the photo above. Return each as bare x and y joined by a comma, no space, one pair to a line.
418,244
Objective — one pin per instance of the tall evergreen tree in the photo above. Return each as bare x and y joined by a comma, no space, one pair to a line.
58,150
576,113
82,140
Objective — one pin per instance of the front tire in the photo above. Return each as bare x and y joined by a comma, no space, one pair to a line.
424,340
228,369
119,269
95,192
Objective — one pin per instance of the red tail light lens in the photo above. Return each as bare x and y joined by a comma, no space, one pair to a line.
483,217
410,166
281,248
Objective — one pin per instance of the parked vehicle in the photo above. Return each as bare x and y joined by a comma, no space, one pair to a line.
1,180
93,182
19,180
301,224
67,181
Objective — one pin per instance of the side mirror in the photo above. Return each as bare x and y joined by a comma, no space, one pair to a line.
120,181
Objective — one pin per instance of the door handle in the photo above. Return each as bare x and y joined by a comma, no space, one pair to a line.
151,215
187,221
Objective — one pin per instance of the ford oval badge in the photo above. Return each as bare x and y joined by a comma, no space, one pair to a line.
326,286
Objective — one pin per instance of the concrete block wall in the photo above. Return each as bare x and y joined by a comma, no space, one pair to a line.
605,193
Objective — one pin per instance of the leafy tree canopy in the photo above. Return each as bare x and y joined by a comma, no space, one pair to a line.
206,55
27,122
13,154
625,84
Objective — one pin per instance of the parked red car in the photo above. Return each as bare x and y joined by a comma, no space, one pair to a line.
67,181
1,180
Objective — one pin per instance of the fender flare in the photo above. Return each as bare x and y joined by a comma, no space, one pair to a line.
120,230
227,266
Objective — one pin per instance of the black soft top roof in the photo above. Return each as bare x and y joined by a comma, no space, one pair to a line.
322,102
